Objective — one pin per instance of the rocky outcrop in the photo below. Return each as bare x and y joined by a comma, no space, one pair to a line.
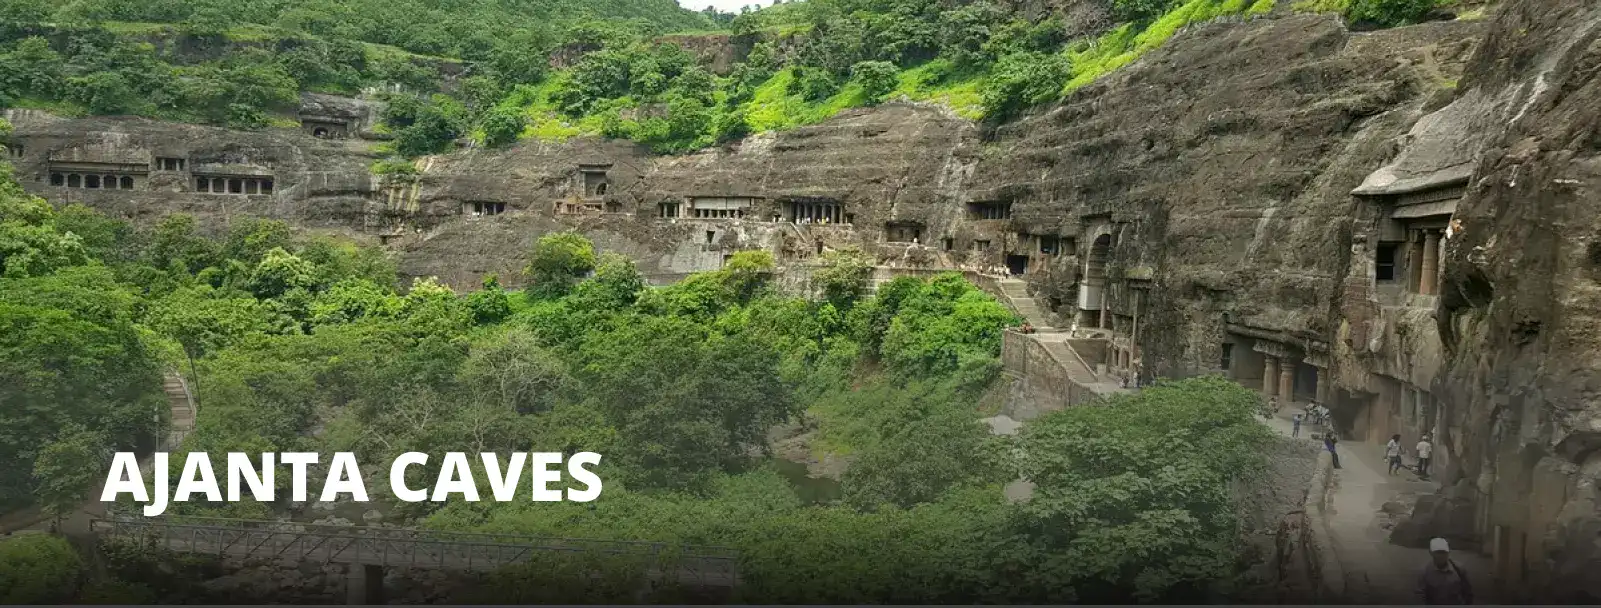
1521,306
1222,162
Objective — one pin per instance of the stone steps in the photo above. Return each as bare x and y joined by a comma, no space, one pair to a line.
1076,371
181,409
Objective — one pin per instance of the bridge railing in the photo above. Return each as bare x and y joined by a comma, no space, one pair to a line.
252,539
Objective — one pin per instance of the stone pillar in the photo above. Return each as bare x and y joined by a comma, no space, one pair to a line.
1105,320
1270,375
1431,262
1323,386
1414,261
1286,381
364,585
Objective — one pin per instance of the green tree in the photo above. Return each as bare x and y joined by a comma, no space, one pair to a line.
503,125
512,372
813,84
877,79
37,569
1020,81
177,243
69,353
844,276
615,286
250,239
30,244
102,92
557,262
1390,13
1139,10
1134,495
280,272
203,321
489,305
67,470
32,68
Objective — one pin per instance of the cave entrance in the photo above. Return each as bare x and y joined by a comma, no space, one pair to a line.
1016,264
1092,289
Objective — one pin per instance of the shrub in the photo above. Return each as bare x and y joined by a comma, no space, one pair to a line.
813,84
1389,13
1022,80
877,78
503,125
37,569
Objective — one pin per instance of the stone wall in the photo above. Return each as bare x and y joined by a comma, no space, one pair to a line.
1317,546
1045,384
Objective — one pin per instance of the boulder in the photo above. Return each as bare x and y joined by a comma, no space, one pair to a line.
1449,514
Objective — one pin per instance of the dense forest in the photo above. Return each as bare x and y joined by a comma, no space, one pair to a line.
303,343
553,69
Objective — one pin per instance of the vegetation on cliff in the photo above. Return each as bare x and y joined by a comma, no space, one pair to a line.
562,73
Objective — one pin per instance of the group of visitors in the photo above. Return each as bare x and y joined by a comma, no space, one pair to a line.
1424,452
1312,412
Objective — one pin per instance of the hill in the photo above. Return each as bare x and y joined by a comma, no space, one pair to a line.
468,29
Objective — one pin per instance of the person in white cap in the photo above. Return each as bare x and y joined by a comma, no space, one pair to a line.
1443,582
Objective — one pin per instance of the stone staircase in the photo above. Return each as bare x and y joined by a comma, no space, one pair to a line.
183,410
1015,293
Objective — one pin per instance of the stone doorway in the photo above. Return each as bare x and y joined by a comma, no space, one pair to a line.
1016,264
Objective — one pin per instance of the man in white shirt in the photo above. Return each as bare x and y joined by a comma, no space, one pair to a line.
1425,450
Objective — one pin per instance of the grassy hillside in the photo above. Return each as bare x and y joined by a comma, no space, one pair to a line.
807,61
466,28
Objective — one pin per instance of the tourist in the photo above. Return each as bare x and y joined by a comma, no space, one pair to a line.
1392,453
1425,451
1330,442
1443,582
1295,427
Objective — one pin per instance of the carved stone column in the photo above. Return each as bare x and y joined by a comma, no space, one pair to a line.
1414,261
1270,375
1431,263
1286,381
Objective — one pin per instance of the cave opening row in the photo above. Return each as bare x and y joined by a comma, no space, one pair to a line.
93,182
233,185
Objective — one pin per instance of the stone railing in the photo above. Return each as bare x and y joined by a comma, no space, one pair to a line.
1320,560
1047,379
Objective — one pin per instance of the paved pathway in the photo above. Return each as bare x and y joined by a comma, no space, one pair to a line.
1377,572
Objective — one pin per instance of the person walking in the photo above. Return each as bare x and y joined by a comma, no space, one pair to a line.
1330,442
1295,427
1392,453
1442,581
1425,452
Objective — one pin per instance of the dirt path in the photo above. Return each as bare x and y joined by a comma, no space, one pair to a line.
1377,572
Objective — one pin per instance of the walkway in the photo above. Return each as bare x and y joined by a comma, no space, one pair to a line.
1377,572
183,410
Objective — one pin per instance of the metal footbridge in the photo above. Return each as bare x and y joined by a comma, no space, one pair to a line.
700,566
